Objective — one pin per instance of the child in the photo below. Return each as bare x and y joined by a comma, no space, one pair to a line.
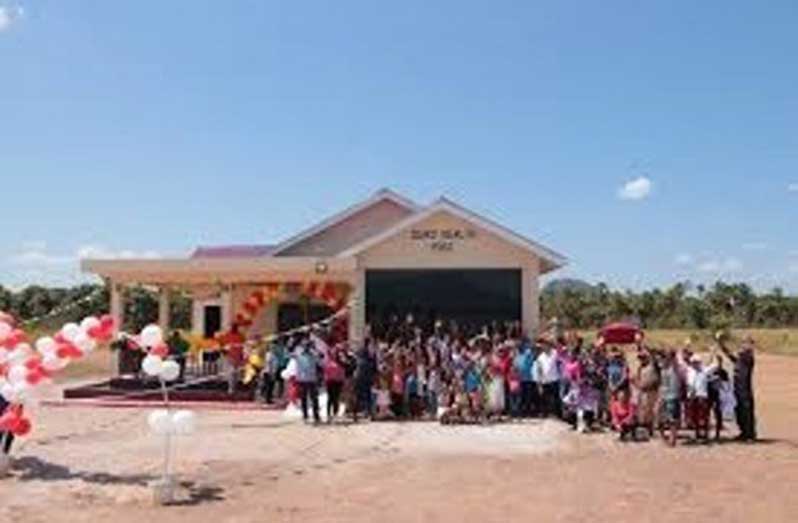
383,401
433,389
624,415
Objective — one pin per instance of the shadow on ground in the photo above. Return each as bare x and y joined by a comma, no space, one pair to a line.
31,468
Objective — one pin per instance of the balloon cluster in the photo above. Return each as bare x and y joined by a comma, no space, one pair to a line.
155,363
23,367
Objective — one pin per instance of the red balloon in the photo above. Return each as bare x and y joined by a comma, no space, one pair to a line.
22,427
107,322
160,350
67,350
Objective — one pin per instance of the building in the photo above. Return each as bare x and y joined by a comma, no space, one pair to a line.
385,256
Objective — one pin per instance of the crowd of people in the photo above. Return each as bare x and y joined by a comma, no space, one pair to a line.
499,374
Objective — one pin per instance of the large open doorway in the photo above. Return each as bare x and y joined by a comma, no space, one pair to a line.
472,297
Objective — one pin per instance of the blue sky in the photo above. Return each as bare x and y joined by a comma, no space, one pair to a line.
145,128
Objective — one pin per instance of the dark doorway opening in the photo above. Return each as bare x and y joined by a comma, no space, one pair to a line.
213,320
471,297
293,315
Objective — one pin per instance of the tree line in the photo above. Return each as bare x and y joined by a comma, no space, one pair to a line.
50,307
683,305
576,304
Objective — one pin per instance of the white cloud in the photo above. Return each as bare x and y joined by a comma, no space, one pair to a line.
636,189
683,259
100,252
793,187
755,246
9,15
727,265
33,263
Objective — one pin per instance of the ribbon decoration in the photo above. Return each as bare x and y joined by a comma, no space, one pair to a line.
332,294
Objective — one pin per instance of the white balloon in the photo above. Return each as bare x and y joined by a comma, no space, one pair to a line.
5,330
20,353
70,331
151,336
160,422
8,392
88,323
52,362
15,392
46,345
83,342
17,374
184,422
170,370
152,365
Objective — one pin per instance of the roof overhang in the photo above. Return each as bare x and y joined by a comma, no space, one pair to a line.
550,260
237,270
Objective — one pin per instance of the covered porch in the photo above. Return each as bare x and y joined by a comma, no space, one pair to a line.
233,293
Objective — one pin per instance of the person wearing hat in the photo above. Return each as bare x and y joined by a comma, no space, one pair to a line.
697,382
743,362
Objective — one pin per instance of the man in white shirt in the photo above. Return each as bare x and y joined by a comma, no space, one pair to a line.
697,380
548,379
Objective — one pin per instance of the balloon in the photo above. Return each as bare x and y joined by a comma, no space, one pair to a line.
52,362
14,338
5,330
22,427
160,350
170,370
88,323
8,391
151,336
184,422
15,392
152,365
160,422
107,322
17,373
68,350
70,331
84,343
46,345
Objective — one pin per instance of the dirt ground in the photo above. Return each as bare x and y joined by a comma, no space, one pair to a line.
95,464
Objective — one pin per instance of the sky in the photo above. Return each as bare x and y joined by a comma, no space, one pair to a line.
649,142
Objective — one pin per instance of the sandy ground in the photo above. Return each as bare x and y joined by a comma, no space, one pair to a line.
84,464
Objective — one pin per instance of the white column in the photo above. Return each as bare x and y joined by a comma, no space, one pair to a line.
197,317
163,308
530,302
227,308
117,304
357,315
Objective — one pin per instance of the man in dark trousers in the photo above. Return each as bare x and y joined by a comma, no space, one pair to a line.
307,375
6,438
365,373
743,362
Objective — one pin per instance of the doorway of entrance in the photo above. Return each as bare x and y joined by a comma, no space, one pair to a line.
471,297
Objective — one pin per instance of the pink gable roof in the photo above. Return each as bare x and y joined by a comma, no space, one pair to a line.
232,251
